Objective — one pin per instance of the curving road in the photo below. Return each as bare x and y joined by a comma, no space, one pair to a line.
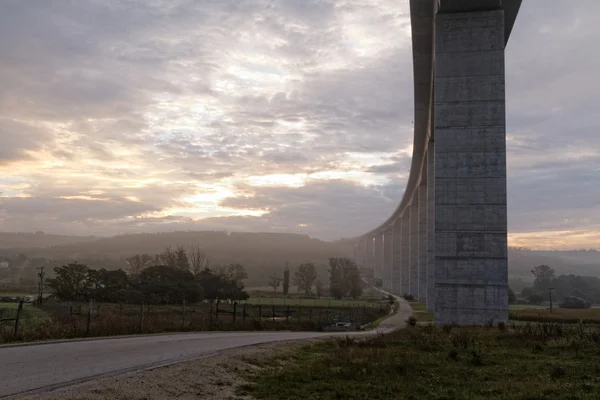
40,367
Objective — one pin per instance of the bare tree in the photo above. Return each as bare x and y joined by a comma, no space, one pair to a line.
138,262
199,260
169,257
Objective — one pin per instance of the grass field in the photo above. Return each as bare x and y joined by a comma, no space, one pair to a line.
322,302
588,314
16,294
531,361
9,310
518,307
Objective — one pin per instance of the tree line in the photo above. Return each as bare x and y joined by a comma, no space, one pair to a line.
166,278
344,279
571,291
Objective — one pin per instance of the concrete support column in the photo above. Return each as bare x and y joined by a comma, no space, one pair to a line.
387,259
397,258
405,275
378,256
430,228
470,169
414,245
422,242
369,263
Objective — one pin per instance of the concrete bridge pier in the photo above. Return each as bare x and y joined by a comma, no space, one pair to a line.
470,167
387,258
397,257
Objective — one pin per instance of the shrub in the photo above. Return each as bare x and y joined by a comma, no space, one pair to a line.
453,354
412,321
408,297
575,302
557,371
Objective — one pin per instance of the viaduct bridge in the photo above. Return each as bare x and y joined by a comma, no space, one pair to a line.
446,242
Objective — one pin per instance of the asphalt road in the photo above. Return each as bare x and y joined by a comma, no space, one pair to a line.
46,366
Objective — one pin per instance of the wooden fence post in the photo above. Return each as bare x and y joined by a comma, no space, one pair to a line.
142,317
18,317
183,314
217,311
89,318
234,310
287,314
211,315
273,315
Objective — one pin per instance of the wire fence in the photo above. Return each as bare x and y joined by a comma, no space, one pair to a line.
70,320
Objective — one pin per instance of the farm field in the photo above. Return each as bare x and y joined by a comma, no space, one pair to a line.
559,314
322,302
535,361
9,310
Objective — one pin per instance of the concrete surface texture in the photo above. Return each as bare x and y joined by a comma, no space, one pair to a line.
422,211
459,149
378,255
388,237
397,257
414,246
430,228
34,367
405,277
470,169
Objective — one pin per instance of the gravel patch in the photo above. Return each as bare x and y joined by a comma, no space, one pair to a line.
213,377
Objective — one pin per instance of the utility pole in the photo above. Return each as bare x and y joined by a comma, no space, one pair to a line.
41,275
550,294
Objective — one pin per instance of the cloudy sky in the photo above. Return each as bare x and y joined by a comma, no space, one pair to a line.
270,115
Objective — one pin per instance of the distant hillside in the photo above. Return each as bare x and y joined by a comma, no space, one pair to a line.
261,253
21,240
521,261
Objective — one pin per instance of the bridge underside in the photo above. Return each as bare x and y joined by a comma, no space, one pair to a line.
446,243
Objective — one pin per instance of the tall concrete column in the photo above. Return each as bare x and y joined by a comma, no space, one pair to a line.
405,276
422,242
430,227
414,245
378,256
397,258
470,168
387,259
370,262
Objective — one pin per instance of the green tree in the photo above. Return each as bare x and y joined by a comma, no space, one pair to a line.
275,281
181,259
72,282
355,283
512,297
543,277
305,277
286,281
161,284
344,278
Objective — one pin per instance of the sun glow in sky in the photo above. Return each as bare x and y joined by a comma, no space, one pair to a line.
262,115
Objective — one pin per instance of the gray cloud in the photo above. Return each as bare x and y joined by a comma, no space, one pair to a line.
163,100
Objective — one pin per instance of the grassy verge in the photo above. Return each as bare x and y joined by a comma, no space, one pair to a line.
563,315
532,361
420,312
